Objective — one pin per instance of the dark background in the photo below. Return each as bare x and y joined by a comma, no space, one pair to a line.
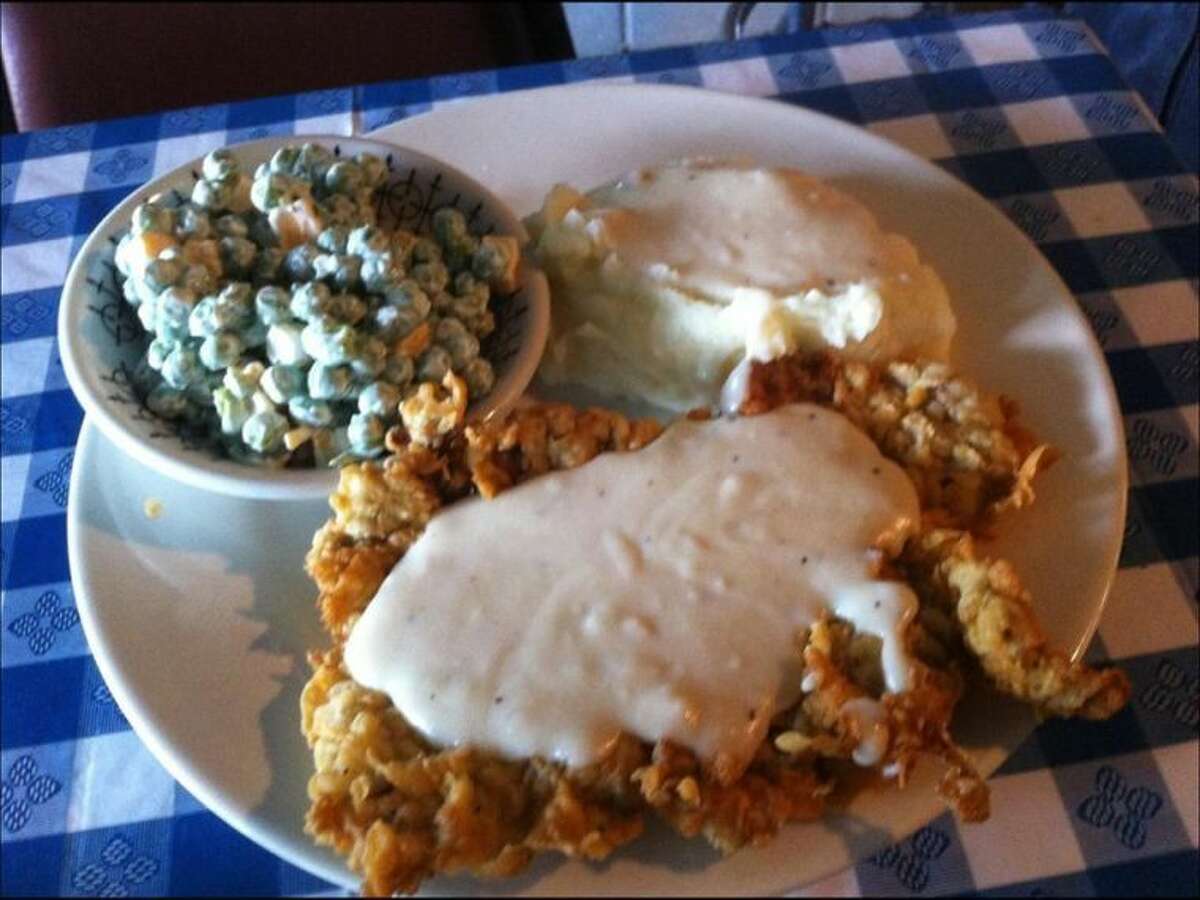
80,62
73,62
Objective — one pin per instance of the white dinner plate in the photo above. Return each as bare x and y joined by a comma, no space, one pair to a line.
199,619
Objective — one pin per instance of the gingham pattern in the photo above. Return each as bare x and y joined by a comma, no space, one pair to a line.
1025,108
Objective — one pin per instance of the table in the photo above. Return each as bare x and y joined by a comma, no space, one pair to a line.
1025,107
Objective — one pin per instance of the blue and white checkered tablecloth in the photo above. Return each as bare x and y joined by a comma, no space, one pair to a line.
1025,108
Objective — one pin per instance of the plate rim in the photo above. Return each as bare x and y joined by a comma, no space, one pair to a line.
243,820
124,692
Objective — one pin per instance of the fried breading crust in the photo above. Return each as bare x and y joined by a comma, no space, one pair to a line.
918,720
1000,628
962,448
403,810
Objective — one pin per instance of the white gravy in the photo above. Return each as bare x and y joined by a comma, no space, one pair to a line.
656,593
719,228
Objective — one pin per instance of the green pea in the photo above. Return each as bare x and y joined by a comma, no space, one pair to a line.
379,398
431,276
202,319
238,451
160,274
344,177
171,199
399,370
453,335
220,350
308,411
167,402
276,190
157,352
152,217
181,367
341,271
370,359
173,308
193,222
479,376
367,240
464,283
334,239
347,308
365,433
326,382
408,295
235,305
282,383
329,342
263,431
387,323
433,364
145,292
482,325
121,254
468,307
488,261
314,161
212,195
403,309
284,161
364,199
448,225
284,346
403,242
380,272
458,254
272,304
129,289
348,274
310,301
148,315
219,165
298,265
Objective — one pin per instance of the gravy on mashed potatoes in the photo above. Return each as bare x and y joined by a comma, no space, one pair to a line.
665,281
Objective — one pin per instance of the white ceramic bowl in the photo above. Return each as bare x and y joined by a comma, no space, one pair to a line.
101,340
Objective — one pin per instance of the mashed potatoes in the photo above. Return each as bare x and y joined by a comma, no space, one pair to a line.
664,282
